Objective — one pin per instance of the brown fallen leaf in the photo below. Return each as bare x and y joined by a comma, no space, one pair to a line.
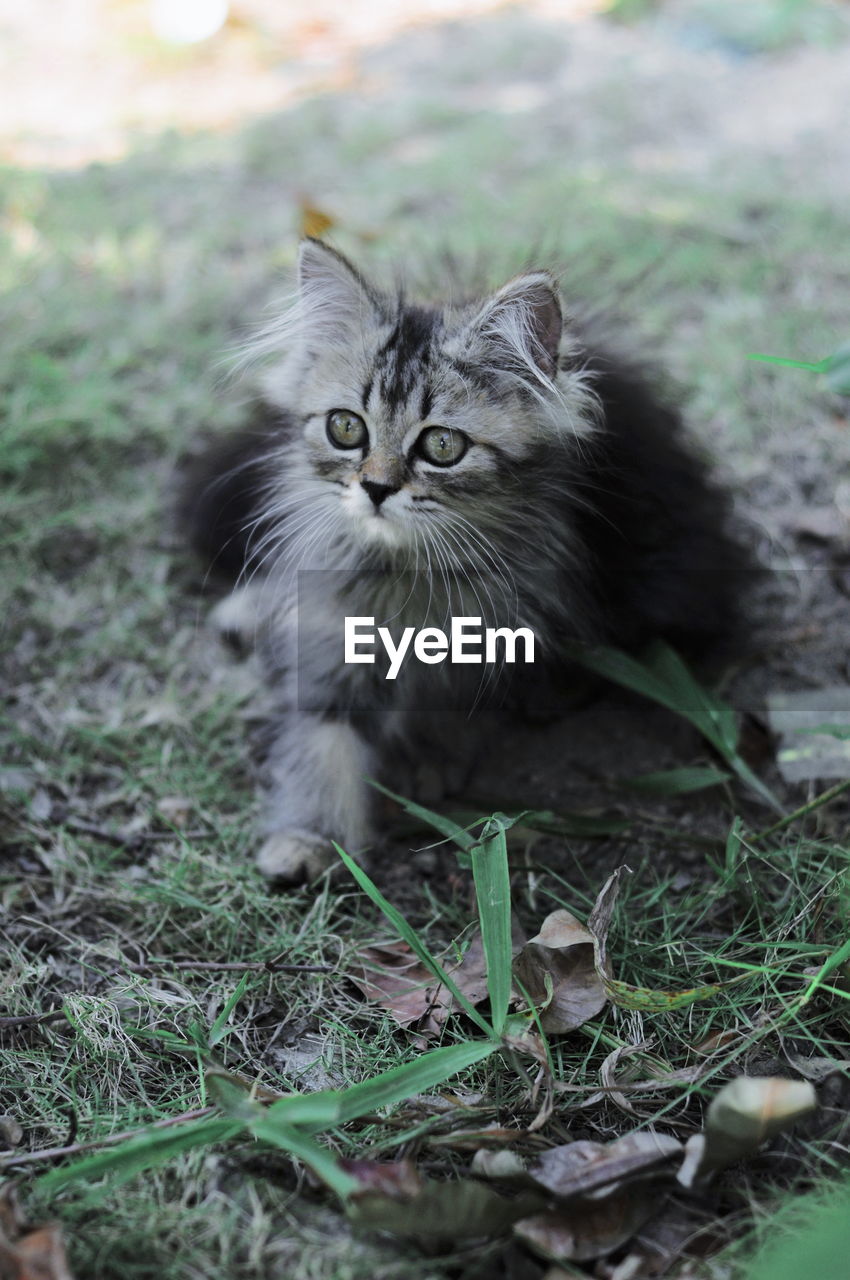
603,1193
585,1229
746,1112
557,970
25,1254
617,1085
396,1179
392,976
815,1069
608,1073
476,1139
579,1168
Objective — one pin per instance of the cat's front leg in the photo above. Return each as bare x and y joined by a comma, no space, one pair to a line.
317,772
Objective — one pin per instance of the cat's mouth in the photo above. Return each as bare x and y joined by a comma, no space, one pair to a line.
379,529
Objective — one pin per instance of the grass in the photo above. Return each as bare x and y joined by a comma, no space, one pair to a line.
126,787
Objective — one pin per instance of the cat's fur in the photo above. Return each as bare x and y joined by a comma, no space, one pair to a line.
577,510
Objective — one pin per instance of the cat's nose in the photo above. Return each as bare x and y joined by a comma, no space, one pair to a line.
376,491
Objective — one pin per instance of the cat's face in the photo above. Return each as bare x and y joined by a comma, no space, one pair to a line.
420,423
408,442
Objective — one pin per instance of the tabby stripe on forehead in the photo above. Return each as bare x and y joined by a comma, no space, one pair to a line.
406,354
481,378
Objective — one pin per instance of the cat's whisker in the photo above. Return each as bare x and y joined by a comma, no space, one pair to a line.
277,539
481,550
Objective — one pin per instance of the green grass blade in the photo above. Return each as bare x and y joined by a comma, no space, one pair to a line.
339,1106
271,1128
838,958
438,821
677,782
146,1150
715,720
493,892
332,1107
315,1111
838,371
755,783
413,1078
813,366
664,678
411,937
622,669
219,1030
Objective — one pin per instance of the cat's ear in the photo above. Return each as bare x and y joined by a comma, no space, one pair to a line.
520,327
330,288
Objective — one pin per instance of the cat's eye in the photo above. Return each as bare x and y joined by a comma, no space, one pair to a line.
346,430
441,446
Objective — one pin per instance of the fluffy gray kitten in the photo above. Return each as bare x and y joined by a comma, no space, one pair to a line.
417,463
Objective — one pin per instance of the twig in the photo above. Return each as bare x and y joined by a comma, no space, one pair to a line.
31,1019
823,798
226,966
56,1153
127,841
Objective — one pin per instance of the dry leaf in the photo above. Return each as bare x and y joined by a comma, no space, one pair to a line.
499,1166
11,1133
472,1139
616,1087
396,1179
582,1168
556,969
605,1193
608,1073
29,1255
41,1255
313,221
392,976
816,1069
746,1112
586,1228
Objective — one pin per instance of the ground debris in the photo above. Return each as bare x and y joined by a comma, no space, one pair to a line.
389,974
395,1197
744,1114
556,968
29,1253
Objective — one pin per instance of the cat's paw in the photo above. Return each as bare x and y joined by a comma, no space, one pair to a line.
236,618
290,857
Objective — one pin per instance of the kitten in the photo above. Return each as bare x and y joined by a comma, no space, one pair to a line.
421,463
